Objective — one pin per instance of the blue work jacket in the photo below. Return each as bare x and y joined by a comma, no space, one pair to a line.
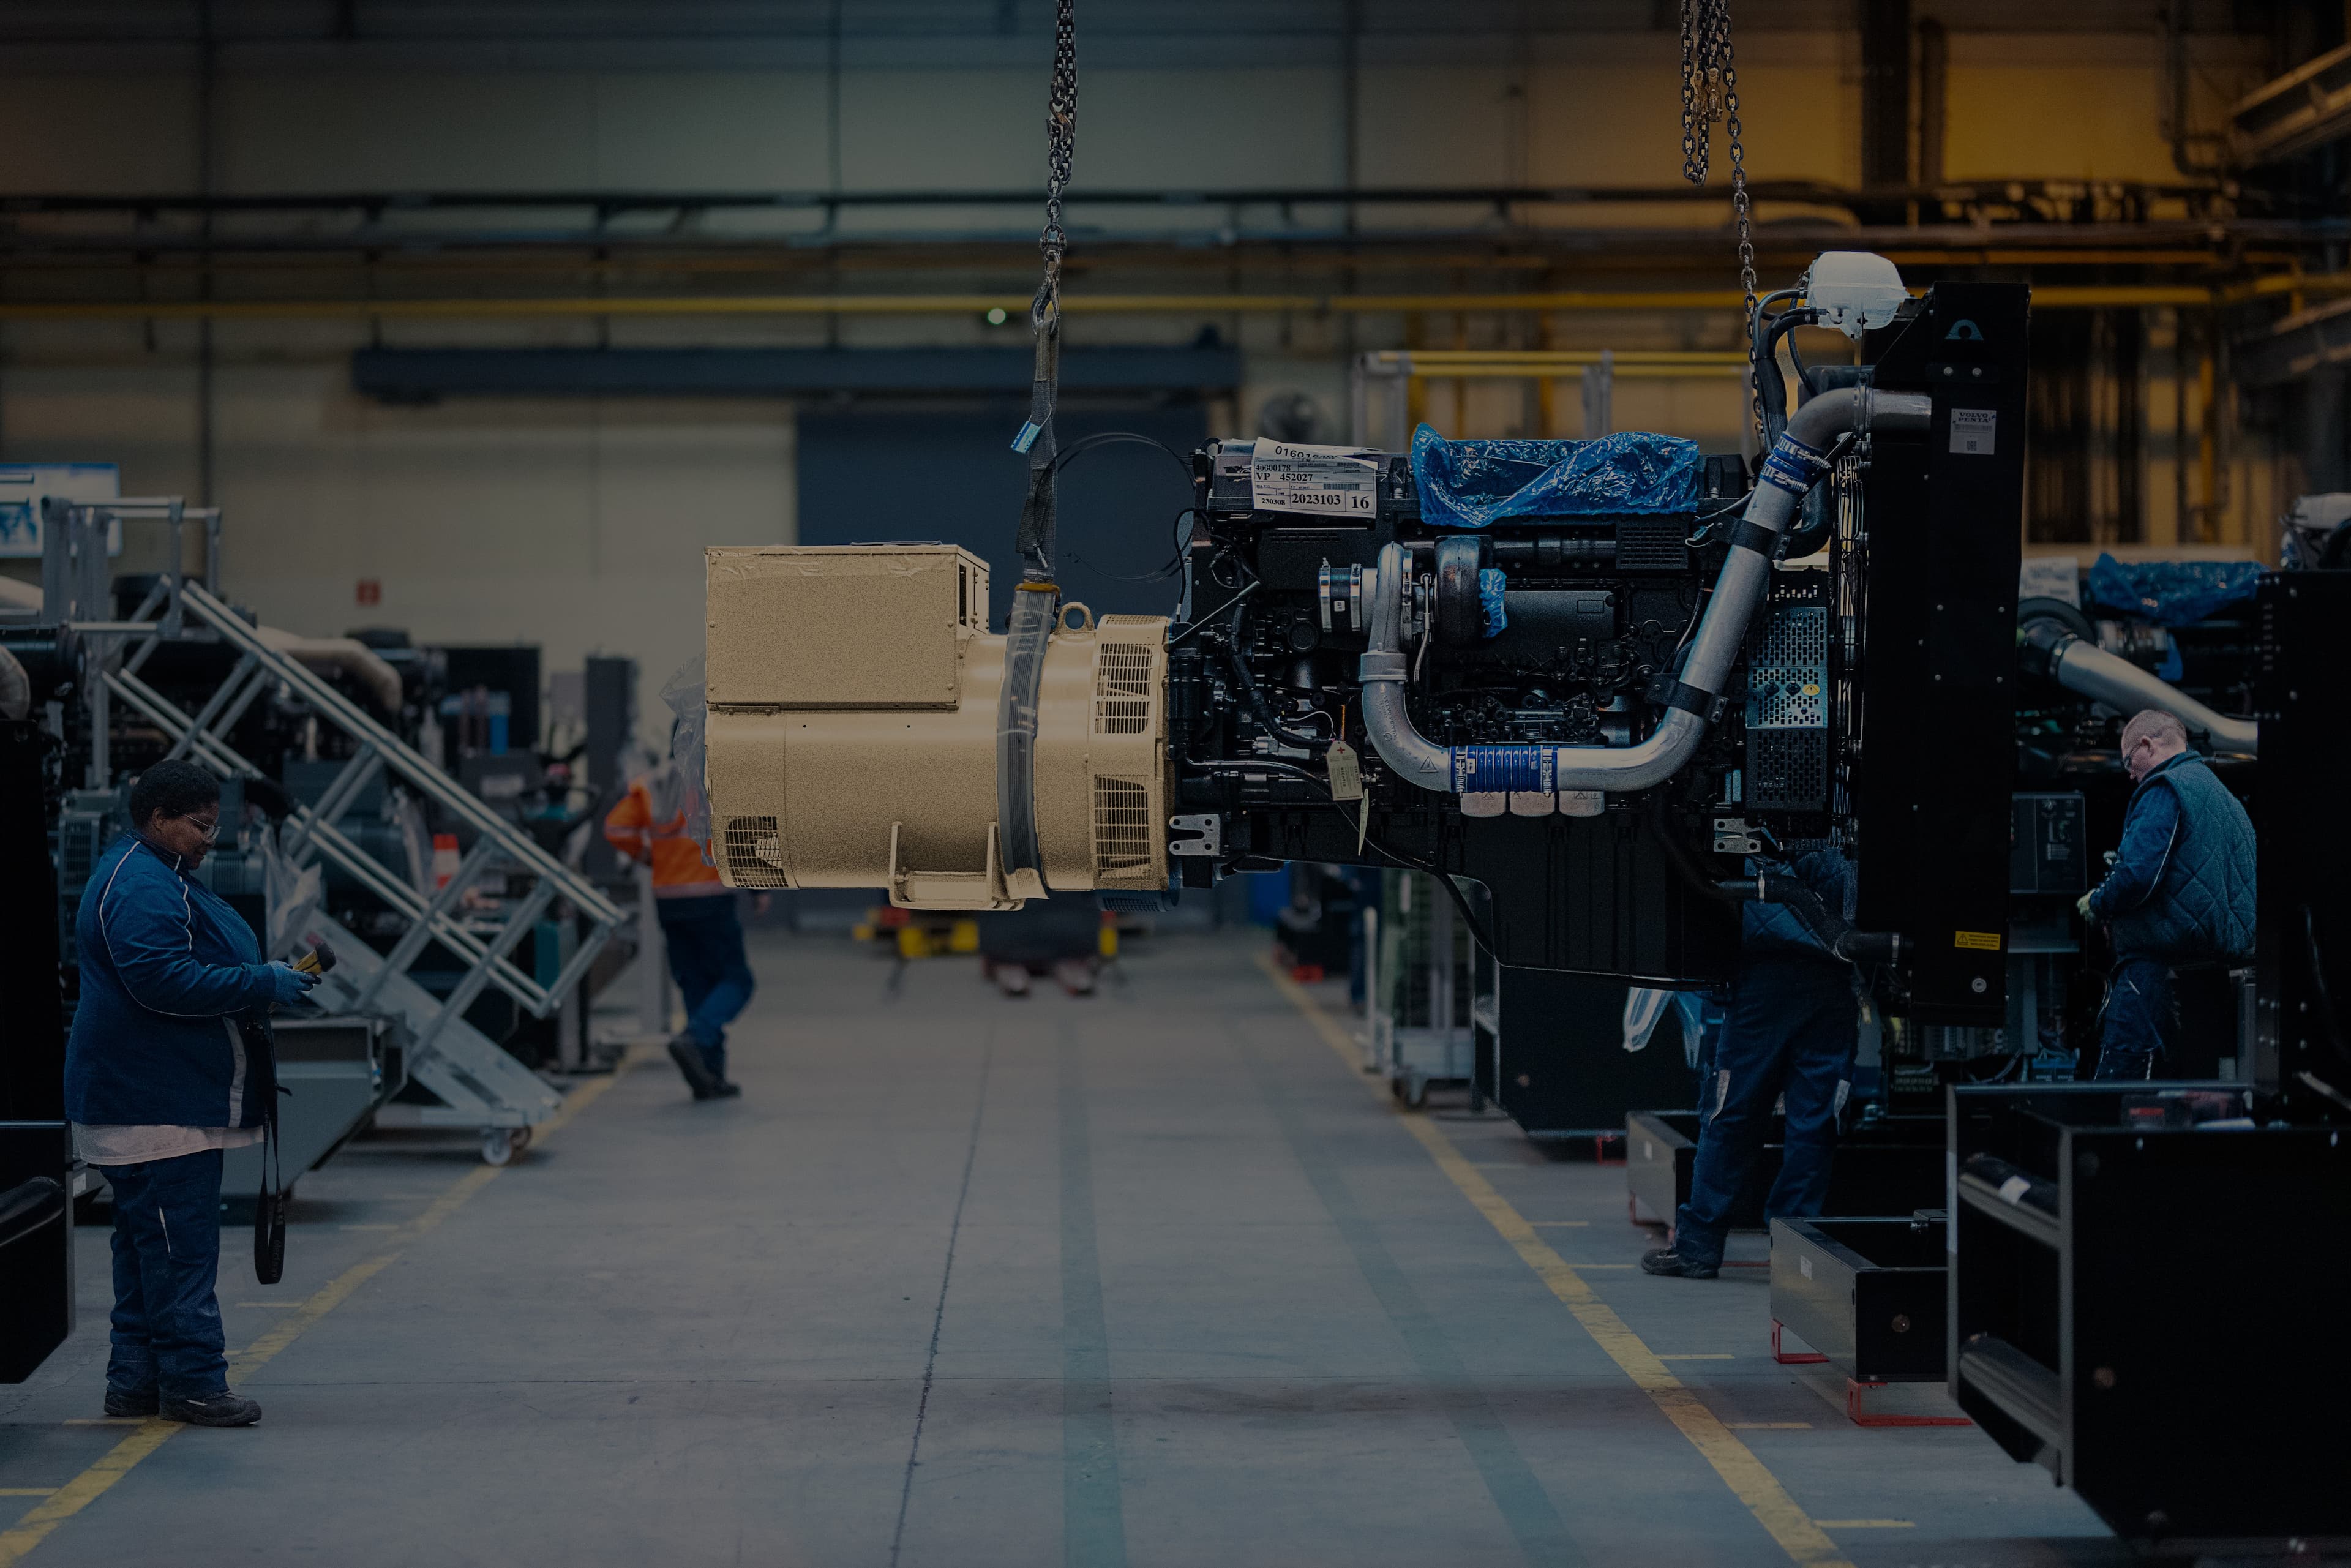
167,970
2182,890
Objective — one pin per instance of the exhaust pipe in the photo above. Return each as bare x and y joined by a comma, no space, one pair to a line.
1797,461
2087,670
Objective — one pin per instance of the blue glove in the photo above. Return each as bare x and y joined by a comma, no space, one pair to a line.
288,984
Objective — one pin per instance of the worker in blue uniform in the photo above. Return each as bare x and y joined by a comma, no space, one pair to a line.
1788,1036
158,1085
2180,891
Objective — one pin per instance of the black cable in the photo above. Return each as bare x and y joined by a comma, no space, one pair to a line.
1804,375
1468,918
1175,562
1112,437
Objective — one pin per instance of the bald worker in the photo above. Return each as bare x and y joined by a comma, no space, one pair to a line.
2180,891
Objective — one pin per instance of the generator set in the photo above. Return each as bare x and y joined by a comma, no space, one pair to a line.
1612,688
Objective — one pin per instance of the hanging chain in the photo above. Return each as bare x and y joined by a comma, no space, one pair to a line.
1060,144
1710,92
1036,438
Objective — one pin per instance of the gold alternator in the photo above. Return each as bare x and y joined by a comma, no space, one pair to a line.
854,693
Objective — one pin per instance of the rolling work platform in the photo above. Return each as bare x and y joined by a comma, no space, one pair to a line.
471,1081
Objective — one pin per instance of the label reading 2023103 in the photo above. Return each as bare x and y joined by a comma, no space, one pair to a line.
1333,481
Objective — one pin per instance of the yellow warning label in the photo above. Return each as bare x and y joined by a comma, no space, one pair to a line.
1985,941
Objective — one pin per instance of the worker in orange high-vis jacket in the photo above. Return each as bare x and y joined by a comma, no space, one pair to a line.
698,921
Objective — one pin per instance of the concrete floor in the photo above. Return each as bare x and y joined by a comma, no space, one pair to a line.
1152,1277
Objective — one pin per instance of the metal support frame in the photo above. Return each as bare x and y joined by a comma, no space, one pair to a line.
480,1084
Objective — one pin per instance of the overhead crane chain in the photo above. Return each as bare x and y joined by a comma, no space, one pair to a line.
1036,437
1710,91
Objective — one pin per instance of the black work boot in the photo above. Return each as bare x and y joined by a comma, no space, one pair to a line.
686,1052
1665,1260
725,1089
227,1408
133,1402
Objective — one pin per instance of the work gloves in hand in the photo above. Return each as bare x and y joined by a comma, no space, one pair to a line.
288,984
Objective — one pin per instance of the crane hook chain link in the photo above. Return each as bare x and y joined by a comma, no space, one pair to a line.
1710,92
1036,437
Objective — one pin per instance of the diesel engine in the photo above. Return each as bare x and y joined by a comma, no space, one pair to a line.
1608,691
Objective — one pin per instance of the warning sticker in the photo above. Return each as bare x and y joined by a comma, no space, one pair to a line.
1983,941
1331,481
1971,430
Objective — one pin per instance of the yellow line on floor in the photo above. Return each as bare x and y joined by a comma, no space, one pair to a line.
154,1432
1749,1480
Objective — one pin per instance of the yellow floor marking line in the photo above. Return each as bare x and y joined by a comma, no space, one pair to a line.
1749,1481
154,1432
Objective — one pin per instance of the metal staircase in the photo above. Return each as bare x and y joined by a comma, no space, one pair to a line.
478,1083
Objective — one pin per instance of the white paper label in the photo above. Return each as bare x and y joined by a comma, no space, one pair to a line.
1347,771
2013,1189
1971,431
1805,1264
2051,577
1331,481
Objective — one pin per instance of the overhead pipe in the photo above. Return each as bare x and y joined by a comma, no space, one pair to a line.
1797,461
2057,297
2087,670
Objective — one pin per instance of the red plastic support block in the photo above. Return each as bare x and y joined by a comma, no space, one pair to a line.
1860,1418
1792,1357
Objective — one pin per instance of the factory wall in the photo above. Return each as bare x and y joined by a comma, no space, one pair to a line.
578,523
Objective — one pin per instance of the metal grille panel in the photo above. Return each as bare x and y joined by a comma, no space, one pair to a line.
1122,828
755,852
1122,688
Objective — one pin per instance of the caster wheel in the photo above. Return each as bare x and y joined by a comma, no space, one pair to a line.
1416,1093
521,1139
497,1146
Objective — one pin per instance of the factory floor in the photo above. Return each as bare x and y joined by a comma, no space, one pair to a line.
1156,1276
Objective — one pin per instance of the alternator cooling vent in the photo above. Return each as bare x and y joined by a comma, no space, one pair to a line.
1122,688
754,851
1122,828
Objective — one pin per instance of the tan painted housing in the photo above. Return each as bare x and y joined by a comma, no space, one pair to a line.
853,694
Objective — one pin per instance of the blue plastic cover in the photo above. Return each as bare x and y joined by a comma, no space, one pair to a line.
1475,484
1489,596
2172,593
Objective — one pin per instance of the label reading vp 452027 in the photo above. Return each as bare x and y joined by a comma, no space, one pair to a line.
1334,481
1971,430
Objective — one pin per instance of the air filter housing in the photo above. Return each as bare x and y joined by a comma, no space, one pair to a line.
854,694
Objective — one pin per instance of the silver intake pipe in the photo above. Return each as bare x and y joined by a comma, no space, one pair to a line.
1797,461
2090,670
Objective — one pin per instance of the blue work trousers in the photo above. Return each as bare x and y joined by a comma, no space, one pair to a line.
1791,1032
166,1322
2139,1022
704,937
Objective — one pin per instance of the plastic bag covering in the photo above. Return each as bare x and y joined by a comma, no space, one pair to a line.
1489,597
2172,593
1475,484
684,696
1645,1009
